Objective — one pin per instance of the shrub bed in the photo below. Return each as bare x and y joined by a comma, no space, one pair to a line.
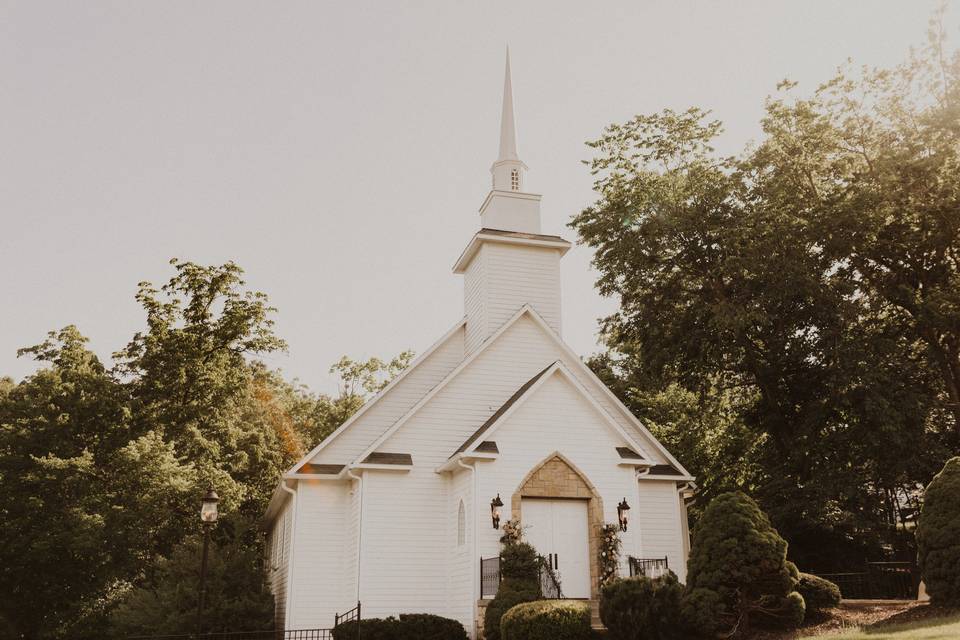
547,620
642,608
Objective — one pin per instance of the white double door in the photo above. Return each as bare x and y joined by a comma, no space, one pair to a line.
559,531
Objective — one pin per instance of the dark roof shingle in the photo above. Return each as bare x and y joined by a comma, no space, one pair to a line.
503,409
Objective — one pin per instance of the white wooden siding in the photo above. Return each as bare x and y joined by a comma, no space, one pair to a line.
318,577
500,279
658,519
461,579
279,561
518,275
474,299
406,542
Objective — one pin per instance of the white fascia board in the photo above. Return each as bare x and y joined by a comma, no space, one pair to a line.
674,478
451,464
369,466
606,390
443,383
461,265
383,392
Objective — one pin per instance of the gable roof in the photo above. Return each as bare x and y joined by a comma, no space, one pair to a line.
499,412
527,310
527,390
375,399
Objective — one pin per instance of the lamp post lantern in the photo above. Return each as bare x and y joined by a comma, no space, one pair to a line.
495,506
208,516
622,514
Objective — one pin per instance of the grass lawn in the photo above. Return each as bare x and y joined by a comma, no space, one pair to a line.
947,628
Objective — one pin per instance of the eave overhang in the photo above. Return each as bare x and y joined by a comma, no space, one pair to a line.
508,237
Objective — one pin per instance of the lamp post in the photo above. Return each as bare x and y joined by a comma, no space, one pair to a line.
495,506
208,516
622,514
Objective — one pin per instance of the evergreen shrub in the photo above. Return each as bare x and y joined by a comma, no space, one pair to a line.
818,593
738,572
938,536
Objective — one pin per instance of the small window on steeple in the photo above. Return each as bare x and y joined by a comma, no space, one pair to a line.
515,179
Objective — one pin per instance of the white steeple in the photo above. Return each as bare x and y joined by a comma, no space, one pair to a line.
507,207
508,263
508,128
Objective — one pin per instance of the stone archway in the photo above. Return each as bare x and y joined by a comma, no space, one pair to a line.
557,477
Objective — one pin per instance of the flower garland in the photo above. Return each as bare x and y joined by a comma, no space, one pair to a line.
609,553
512,532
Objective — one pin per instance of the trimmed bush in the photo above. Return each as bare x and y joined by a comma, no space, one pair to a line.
642,608
738,571
818,593
547,620
427,626
370,629
508,596
410,626
938,536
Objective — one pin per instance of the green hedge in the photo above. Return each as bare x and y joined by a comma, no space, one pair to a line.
642,608
410,626
818,593
547,620
938,536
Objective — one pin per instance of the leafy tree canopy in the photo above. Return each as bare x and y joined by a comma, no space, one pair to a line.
789,317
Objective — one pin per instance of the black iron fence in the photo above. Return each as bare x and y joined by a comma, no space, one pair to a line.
489,577
647,567
291,634
352,615
880,581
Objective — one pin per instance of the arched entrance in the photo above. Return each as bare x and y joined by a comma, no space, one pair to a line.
558,497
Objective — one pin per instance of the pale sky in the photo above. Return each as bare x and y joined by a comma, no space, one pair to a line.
339,151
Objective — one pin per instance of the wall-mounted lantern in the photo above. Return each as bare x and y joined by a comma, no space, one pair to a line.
495,507
622,514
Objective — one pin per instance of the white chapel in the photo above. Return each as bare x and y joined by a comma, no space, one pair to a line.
498,420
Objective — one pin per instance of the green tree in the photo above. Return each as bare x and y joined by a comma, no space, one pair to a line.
237,596
358,381
84,497
765,318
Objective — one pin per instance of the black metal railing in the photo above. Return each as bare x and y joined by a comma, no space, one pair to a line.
880,581
489,577
648,567
290,634
549,579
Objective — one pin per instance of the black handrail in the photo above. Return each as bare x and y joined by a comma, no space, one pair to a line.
648,567
549,580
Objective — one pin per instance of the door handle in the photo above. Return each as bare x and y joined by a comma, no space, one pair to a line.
556,561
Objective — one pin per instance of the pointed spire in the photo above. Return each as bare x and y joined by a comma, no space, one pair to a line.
508,129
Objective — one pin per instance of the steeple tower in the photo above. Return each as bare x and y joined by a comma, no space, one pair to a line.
507,207
508,263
